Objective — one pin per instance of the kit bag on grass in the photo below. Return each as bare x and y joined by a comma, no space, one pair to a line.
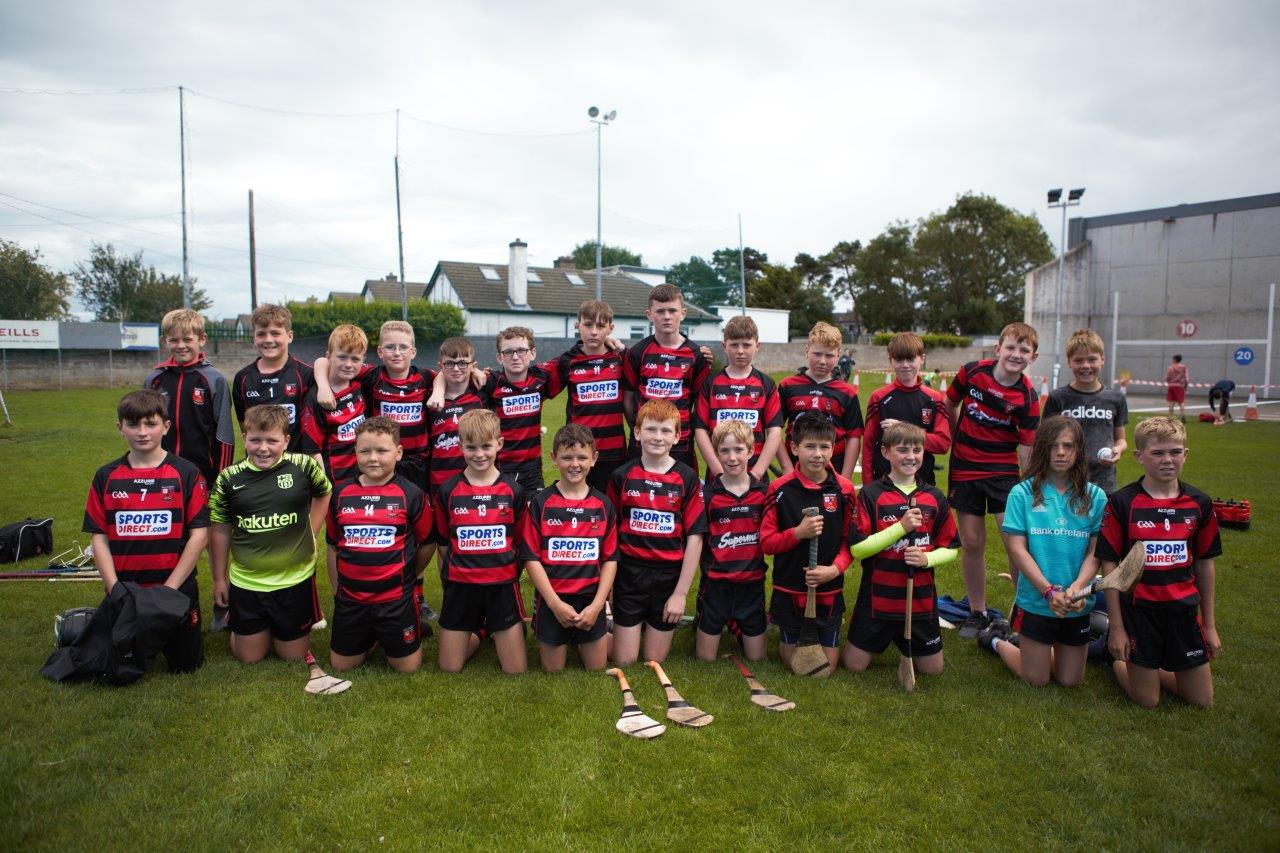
24,539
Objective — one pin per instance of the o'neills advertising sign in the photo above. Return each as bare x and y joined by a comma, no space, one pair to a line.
28,334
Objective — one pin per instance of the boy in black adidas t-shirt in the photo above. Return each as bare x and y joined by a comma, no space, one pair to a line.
274,377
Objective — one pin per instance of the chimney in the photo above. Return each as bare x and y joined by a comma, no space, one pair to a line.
566,263
391,277
518,274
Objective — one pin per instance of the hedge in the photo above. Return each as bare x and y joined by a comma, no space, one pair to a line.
431,321
931,340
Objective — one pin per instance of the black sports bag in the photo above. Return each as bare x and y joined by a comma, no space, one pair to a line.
24,539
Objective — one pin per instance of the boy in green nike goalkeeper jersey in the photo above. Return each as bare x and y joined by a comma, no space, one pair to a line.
265,511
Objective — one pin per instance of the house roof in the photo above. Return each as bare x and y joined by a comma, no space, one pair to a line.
389,291
629,297
344,296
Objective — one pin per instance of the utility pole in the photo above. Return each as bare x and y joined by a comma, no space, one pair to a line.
253,260
182,149
742,268
404,290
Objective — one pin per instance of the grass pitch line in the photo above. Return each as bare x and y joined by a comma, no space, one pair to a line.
632,721
759,694
678,710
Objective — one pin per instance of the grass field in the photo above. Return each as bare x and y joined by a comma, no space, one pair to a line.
239,757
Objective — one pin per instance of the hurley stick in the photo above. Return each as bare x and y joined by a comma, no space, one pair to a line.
321,684
809,659
1122,577
907,663
759,695
678,710
632,721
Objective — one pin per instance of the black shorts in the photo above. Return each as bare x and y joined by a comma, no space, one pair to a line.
598,476
981,497
874,635
721,602
528,475
415,470
1048,630
287,613
472,606
789,618
1164,639
640,592
393,625
185,650
548,629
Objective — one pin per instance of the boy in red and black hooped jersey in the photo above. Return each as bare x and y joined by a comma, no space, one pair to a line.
148,516
660,530
665,366
905,400
910,524
591,373
379,531
731,593
330,435
1163,632
274,377
516,393
570,548
815,390
479,516
457,358
994,412
740,392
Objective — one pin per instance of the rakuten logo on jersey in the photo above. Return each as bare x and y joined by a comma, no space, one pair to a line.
368,537
403,413
1092,413
159,523
658,388
481,537
347,431
572,549
1166,553
603,391
652,521
750,417
521,404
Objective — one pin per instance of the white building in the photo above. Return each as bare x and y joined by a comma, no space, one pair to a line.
546,300
774,323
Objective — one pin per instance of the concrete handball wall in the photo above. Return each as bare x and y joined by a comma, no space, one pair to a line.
1213,269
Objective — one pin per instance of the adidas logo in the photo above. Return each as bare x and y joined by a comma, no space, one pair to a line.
1089,413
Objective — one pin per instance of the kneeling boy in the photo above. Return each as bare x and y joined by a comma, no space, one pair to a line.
265,512
478,516
570,547
379,535
901,497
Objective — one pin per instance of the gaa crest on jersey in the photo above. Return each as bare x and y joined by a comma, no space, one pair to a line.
290,389
829,503
197,396
926,416
408,635
166,493
284,481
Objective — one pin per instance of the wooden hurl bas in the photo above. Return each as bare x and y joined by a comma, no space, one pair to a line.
759,695
1123,576
907,663
809,659
321,684
678,710
632,721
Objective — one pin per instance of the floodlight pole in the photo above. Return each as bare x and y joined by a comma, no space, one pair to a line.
1064,203
404,288
182,150
742,268
600,123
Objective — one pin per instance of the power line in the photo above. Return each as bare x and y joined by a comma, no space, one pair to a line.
150,90
287,112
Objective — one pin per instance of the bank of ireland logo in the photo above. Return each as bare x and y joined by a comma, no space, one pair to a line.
284,481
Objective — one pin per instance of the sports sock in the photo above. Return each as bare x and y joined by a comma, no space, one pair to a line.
995,644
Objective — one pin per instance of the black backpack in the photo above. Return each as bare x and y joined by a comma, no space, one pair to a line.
24,539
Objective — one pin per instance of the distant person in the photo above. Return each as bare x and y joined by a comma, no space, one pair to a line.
1220,396
1175,380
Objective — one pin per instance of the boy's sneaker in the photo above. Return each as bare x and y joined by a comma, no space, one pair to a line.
425,617
219,623
997,628
973,625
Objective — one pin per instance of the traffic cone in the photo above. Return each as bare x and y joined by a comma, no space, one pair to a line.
1044,393
854,377
888,379
1251,407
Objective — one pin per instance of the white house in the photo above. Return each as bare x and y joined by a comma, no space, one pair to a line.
546,300
774,323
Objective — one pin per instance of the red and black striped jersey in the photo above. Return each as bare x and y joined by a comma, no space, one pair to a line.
753,400
918,404
199,411
788,496
286,387
402,400
657,512
519,409
655,372
375,532
883,589
571,537
834,399
147,514
731,549
1174,532
446,447
332,434
994,419
594,383
478,526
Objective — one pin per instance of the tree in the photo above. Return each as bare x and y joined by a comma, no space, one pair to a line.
118,288
727,267
431,321
28,289
972,261
780,287
700,283
584,256
886,281
842,263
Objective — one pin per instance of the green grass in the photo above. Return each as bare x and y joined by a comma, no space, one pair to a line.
236,756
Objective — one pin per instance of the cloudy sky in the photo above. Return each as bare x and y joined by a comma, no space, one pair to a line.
818,122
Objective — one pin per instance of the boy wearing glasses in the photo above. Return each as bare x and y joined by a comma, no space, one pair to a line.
516,393
457,357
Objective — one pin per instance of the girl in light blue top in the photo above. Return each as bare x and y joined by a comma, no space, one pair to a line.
1051,523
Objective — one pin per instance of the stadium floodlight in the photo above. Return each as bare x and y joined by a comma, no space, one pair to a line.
1074,195
1054,195
1055,200
593,114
